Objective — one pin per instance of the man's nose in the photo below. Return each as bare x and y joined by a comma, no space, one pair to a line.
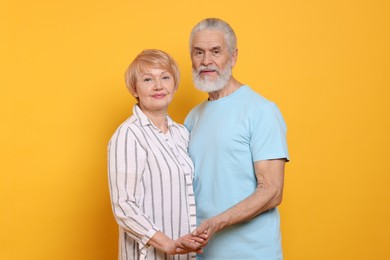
207,59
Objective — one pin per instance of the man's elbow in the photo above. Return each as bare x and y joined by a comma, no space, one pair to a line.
277,198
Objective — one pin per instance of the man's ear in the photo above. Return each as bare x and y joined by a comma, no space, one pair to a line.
233,58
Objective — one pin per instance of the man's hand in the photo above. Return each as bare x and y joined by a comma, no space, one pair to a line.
208,227
204,231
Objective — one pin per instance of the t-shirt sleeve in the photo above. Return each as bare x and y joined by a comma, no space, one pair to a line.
268,138
188,121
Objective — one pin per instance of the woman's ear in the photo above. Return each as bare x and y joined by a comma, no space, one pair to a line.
135,92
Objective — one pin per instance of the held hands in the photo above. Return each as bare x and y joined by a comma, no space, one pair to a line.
190,243
193,242
199,237
162,242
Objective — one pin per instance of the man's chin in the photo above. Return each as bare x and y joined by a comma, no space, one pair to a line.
207,87
201,88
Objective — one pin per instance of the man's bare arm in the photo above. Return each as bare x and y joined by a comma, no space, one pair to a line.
268,195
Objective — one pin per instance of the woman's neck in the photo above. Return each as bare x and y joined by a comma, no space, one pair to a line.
159,119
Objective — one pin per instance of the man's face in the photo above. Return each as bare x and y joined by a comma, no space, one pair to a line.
211,61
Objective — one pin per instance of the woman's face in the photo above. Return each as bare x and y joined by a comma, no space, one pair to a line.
155,88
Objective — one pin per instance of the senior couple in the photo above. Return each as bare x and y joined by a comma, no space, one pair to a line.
228,160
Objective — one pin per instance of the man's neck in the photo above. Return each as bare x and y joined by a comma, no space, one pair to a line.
230,87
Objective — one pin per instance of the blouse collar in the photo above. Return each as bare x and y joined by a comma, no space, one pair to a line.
144,120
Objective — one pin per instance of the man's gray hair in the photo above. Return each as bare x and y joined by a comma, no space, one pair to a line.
218,25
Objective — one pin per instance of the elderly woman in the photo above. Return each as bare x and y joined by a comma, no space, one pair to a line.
150,172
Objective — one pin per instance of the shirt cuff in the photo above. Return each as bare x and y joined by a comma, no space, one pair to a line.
145,239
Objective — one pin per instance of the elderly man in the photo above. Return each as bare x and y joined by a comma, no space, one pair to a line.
238,145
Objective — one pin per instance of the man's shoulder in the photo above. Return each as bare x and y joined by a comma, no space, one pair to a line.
196,109
253,98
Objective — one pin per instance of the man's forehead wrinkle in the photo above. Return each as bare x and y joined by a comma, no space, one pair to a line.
208,44
208,47
206,38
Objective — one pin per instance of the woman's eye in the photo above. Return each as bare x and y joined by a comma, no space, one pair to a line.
166,77
147,79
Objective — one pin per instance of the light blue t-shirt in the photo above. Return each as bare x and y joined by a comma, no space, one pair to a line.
226,136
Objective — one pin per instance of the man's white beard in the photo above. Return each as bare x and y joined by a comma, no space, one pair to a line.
207,85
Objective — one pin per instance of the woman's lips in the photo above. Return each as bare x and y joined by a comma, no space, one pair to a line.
158,96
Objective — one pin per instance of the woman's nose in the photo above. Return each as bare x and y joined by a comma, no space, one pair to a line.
157,85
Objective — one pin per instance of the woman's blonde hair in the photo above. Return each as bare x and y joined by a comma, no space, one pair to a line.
150,58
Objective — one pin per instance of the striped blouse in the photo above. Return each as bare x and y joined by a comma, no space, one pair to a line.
150,179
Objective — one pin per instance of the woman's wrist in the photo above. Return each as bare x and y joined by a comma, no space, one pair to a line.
163,243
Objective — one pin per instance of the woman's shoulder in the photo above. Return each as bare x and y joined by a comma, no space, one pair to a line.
179,126
126,126
180,131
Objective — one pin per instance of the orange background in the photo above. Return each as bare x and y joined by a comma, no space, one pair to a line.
325,63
